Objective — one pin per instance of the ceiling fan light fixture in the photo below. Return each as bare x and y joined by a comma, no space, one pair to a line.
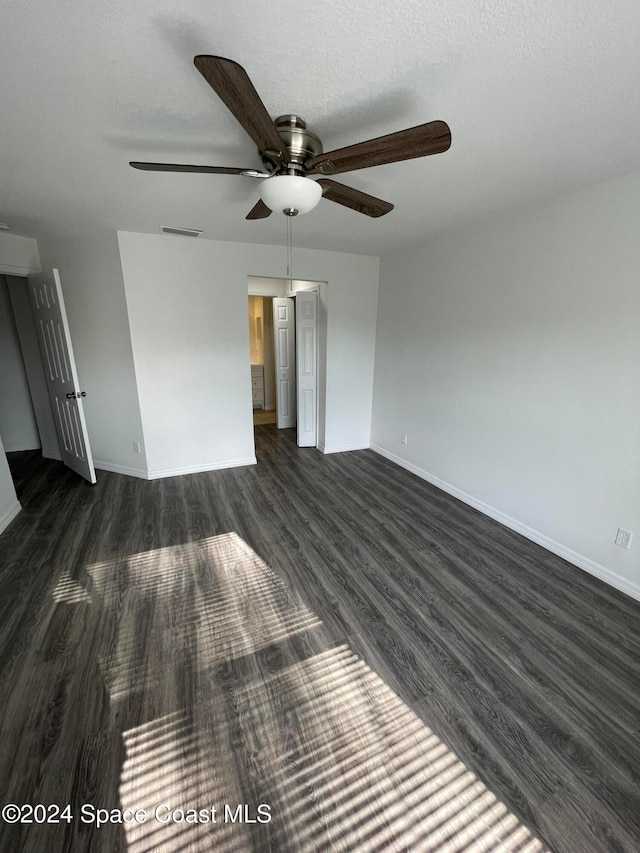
292,194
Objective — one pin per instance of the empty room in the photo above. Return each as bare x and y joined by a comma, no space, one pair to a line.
319,427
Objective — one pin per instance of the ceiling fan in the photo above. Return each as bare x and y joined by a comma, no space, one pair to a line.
292,154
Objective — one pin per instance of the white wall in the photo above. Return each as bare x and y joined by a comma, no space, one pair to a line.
93,288
18,426
187,303
18,255
9,505
509,353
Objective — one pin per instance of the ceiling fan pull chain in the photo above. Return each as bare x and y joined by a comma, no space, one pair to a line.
289,249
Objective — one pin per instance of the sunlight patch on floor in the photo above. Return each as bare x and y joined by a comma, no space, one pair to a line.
223,601
342,761
378,776
69,591
169,771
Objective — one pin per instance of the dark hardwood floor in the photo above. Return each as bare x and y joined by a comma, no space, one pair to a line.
325,641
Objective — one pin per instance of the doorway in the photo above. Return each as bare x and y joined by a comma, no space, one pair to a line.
41,407
263,387
307,363
18,421
26,421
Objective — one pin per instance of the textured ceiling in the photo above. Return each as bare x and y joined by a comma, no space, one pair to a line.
541,97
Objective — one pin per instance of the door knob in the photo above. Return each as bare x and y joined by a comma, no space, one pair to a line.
71,396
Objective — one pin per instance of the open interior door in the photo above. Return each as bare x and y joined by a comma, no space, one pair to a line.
52,326
284,344
307,366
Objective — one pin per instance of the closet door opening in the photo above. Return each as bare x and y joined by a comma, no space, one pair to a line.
287,328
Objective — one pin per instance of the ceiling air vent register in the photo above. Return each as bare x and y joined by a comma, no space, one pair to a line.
183,232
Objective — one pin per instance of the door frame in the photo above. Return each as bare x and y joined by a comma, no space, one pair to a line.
272,286
34,370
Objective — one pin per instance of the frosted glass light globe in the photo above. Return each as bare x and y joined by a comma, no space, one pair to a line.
291,194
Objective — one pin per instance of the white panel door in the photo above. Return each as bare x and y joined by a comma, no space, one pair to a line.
307,366
284,344
50,317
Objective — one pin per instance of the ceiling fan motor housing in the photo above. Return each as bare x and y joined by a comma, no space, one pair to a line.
301,144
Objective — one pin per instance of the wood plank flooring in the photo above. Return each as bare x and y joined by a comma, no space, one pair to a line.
264,416
355,659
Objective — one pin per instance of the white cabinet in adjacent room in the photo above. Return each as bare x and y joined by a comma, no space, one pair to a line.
257,385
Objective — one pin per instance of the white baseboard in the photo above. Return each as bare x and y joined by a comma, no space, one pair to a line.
341,448
198,469
9,515
582,562
141,473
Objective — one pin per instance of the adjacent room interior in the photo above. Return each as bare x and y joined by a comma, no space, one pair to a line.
263,372
319,531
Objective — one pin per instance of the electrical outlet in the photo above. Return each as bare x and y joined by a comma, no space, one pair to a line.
403,438
136,447
623,538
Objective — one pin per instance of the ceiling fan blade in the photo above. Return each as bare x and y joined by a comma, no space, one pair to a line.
431,138
210,170
259,211
234,88
355,199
